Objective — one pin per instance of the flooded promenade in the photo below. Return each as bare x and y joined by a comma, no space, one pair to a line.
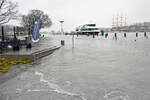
92,69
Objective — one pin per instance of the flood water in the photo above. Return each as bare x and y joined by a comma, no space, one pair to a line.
90,69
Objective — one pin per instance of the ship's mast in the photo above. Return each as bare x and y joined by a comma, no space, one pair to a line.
125,22
113,22
119,22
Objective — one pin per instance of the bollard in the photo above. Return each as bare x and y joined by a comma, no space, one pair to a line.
29,46
16,48
115,36
145,34
73,41
93,35
106,35
125,35
136,34
1,51
62,42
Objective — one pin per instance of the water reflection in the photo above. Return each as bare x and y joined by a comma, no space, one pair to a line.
95,69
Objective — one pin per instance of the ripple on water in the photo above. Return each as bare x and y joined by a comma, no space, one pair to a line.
116,94
57,89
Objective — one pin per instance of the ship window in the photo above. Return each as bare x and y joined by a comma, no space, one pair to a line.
91,25
89,29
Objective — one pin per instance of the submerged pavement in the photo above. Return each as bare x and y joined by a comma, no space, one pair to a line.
92,69
44,43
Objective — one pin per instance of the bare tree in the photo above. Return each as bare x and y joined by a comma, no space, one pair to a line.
8,11
28,20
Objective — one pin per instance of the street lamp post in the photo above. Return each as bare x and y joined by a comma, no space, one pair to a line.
61,22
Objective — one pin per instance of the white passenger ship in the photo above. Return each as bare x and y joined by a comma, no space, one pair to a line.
88,29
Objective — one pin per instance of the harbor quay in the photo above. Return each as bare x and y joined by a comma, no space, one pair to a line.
38,50
9,59
31,54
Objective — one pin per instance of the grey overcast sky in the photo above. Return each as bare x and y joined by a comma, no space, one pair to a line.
78,12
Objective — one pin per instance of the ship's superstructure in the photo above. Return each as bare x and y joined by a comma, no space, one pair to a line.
88,29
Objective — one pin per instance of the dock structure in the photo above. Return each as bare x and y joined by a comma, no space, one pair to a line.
30,54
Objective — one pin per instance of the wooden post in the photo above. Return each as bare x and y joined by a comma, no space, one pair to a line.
115,36
106,35
3,36
14,32
125,35
145,34
62,42
73,41
136,34
93,35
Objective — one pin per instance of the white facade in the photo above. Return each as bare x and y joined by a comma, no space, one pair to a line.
88,29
